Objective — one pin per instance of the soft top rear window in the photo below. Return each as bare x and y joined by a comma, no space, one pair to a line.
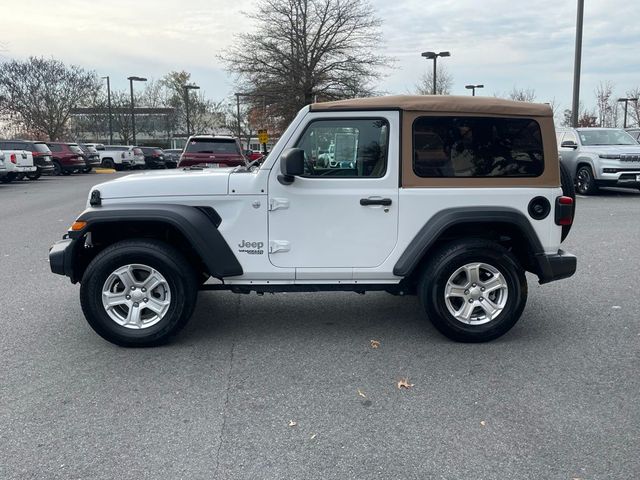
208,145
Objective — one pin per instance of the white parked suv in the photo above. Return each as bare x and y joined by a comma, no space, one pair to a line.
449,198
599,157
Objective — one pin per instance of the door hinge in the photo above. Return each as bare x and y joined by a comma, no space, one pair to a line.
279,246
277,203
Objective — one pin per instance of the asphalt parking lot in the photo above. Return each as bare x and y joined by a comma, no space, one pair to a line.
556,398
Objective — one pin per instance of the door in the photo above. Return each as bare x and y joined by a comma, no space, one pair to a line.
342,213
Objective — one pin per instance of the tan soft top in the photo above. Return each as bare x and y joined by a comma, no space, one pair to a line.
440,103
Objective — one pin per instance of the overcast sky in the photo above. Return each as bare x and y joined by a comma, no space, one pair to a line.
500,43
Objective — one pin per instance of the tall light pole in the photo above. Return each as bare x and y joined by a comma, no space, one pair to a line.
473,88
626,101
186,103
133,117
434,56
109,107
576,66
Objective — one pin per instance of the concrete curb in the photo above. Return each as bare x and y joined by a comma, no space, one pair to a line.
104,170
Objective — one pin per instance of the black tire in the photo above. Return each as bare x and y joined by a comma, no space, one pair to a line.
585,181
86,170
19,177
108,163
34,176
568,190
57,168
445,262
180,276
8,178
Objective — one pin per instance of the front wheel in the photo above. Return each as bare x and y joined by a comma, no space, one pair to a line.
585,181
34,176
138,293
473,290
57,168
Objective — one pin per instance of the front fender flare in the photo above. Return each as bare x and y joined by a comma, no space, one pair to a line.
199,225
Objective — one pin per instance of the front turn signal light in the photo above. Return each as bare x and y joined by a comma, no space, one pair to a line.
78,225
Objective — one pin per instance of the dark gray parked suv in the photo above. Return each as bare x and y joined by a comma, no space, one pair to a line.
599,157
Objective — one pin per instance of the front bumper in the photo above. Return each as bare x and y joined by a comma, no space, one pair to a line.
61,257
555,266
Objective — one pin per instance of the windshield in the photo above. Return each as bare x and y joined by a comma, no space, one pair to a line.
212,146
613,136
75,149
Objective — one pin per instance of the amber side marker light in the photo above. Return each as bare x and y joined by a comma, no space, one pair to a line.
78,225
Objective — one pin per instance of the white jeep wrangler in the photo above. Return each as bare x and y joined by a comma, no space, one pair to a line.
449,198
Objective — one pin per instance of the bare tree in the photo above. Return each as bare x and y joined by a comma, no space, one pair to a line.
522,94
606,105
204,114
41,93
633,108
444,82
121,104
308,50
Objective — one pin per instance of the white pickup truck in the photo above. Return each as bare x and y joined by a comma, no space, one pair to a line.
119,157
17,164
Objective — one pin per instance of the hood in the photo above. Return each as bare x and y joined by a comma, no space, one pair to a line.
168,183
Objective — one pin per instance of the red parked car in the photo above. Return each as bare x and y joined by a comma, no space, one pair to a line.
67,158
211,151
252,155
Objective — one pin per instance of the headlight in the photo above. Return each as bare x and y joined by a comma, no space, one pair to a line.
610,157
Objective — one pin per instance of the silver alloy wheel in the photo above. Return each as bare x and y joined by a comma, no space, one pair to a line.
136,296
476,293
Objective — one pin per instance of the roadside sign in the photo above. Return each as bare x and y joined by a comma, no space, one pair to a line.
263,136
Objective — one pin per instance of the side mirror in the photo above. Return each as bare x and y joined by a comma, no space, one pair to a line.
291,164
569,144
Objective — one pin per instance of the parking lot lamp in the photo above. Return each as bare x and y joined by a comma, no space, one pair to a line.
473,88
575,105
133,117
186,103
109,108
434,56
626,102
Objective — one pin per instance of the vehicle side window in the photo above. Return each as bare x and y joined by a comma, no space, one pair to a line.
345,148
55,148
477,147
570,137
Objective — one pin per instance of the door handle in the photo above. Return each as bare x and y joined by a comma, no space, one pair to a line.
375,201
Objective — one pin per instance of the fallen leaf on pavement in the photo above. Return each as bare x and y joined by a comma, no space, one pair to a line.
375,343
483,423
313,436
292,423
404,383
361,394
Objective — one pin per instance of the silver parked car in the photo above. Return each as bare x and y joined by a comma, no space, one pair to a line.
599,157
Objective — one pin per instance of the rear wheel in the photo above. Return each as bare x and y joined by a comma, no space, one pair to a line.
35,175
19,177
86,170
8,178
473,290
585,181
138,293
57,168
108,163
